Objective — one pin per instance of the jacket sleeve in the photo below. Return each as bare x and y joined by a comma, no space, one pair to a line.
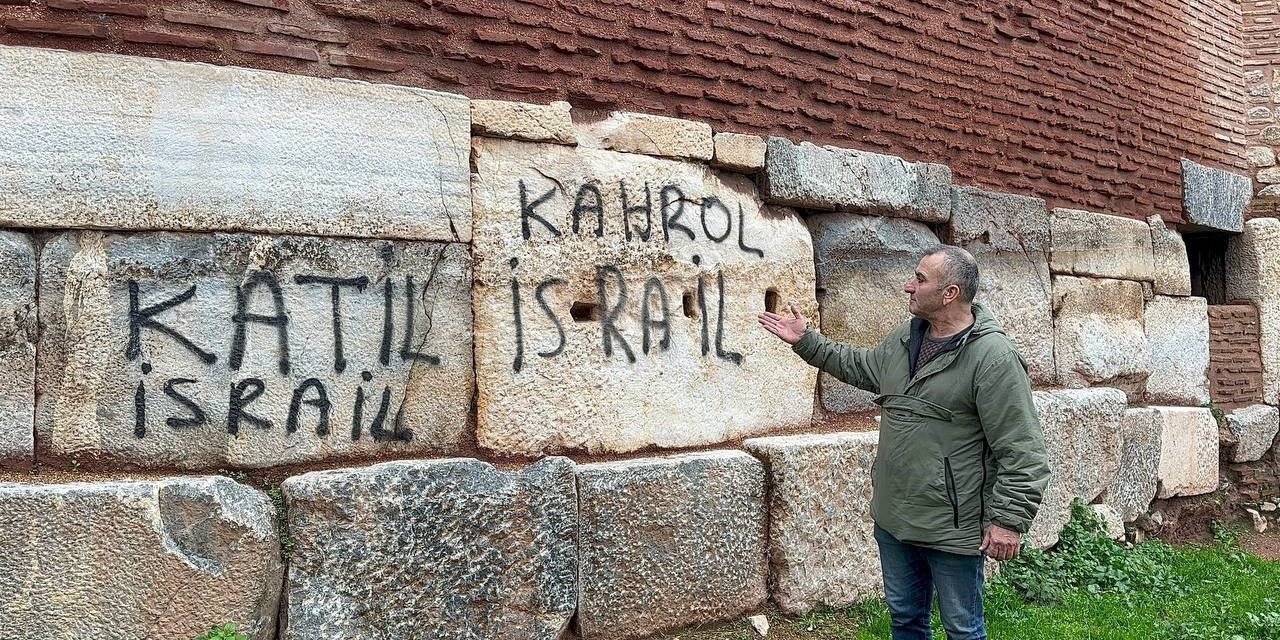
1012,429
849,364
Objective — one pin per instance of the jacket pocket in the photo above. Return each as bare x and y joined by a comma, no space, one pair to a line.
912,409
951,493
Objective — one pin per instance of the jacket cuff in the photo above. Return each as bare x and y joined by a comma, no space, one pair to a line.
1021,526
807,345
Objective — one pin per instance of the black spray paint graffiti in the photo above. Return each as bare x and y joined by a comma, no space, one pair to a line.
311,395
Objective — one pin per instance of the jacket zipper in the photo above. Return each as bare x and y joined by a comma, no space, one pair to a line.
951,494
982,490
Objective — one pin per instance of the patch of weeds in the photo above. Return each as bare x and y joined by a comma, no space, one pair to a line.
224,632
286,541
235,474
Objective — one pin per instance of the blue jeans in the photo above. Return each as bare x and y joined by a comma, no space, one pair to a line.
912,573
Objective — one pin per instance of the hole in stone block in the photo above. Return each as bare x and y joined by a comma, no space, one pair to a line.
1207,255
771,300
584,312
686,303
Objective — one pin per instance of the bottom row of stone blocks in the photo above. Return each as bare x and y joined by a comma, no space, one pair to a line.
460,549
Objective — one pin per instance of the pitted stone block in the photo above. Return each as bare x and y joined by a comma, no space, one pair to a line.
650,135
669,542
1099,337
1134,487
739,152
1213,198
1178,337
1188,453
197,351
523,121
1171,263
1255,429
18,331
440,549
1100,246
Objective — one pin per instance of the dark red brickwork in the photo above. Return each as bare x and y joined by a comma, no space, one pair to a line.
1089,103
1235,357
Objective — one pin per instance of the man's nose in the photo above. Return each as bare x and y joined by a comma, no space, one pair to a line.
909,287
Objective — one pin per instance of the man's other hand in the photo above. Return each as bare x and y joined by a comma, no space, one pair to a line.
790,329
1000,543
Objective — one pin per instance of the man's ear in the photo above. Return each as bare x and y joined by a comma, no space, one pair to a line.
951,293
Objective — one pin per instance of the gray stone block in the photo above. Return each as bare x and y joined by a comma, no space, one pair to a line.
1172,265
1178,339
1099,339
1255,429
1101,246
1188,452
665,543
163,559
18,331
1134,486
452,549
1213,198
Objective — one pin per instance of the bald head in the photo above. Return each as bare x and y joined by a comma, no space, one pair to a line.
959,268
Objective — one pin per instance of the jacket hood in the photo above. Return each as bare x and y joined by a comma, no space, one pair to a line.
984,321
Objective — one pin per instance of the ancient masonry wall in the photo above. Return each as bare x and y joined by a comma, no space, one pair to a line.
381,292
1089,105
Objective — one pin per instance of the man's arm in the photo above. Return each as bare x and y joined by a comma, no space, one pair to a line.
1012,429
849,364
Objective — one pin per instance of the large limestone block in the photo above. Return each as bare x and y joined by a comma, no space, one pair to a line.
669,542
1099,339
1171,265
1213,198
191,351
821,548
1188,453
118,142
162,559
1101,246
649,134
439,549
1254,428
1082,434
610,338
523,121
1253,274
830,178
862,264
1178,337
1134,486
18,329
1008,235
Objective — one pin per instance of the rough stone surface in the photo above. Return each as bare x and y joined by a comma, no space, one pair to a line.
18,330
1100,246
1189,452
738,152
669,542
1082,435
163,559
440,549
1134,487
1178,338
149,144
1008,235
1172,270
156,386
650,135
1099,338
1255,429
1253,274
862,263
830,178
1213,198
821,549
1260,156
569,367
1115,526
523,121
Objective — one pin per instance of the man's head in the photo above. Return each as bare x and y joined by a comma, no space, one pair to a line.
945,276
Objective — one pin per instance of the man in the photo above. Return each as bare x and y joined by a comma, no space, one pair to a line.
961,465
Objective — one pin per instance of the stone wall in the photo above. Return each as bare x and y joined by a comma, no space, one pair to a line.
404,314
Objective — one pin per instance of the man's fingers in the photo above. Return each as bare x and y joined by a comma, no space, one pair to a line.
795,314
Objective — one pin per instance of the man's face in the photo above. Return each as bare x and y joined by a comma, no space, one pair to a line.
925,286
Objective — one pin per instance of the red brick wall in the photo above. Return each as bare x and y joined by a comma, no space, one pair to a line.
1235,357
1089,103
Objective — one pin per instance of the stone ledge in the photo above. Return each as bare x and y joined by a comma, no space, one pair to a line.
1214,199
649,135
522,121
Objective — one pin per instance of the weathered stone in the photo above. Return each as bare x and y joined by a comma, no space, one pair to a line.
163,559
192,351
1260,156
523,121
148,144
738,152
1171,265
1178,341
1213,198
669,542
1099,338
1008,235
1110,517
1253,274
650,135
830,178
18,330
450,548
1188,453
1269,175
1255,429
602,337
1101,246
1134,487
862,264
1082,436
821,548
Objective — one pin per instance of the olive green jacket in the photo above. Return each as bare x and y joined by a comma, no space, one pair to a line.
960,443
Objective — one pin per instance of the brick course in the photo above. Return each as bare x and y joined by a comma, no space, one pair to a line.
1235,356
1088,104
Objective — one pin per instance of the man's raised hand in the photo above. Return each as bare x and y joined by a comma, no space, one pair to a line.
789,328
